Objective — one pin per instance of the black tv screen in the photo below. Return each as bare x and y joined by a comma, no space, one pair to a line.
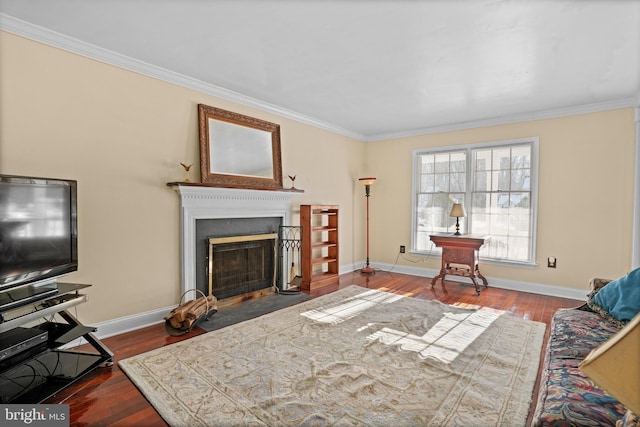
38,229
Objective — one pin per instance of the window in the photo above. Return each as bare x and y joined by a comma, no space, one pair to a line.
495,182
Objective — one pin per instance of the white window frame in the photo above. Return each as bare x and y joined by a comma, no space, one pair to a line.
433,250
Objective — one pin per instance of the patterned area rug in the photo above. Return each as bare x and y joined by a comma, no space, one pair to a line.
353,357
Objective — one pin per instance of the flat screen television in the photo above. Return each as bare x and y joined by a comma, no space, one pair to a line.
38,232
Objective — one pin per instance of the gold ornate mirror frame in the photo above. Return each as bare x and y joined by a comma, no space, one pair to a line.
238,151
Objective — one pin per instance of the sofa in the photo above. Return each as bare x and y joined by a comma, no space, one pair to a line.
566,396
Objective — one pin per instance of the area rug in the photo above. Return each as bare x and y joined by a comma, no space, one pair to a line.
353,357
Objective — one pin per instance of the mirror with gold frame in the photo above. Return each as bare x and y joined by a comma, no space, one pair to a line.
238,151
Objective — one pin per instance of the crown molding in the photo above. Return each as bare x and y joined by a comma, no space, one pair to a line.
630,102
52,38
70,44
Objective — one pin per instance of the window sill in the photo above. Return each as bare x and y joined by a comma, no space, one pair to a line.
507,263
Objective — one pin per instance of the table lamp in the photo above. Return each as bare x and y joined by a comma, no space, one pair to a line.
457,211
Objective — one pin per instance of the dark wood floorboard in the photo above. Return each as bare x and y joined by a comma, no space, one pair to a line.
106,397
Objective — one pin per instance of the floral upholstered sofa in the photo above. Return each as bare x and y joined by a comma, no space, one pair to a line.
566,396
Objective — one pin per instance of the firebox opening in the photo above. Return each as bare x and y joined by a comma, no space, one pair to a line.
239,265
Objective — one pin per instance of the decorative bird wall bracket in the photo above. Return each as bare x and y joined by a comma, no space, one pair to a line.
186,171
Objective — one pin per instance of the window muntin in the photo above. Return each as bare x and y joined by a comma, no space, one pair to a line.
496,184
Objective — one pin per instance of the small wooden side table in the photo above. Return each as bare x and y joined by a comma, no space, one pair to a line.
459,252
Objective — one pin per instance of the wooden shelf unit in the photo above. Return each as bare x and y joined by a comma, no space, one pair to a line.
320,264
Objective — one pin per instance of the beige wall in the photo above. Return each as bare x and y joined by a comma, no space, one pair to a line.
584,199
122,136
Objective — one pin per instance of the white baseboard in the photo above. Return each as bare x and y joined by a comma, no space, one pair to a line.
124,324
514,285
130,323
137,321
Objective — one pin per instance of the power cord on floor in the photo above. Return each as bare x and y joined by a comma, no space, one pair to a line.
418,260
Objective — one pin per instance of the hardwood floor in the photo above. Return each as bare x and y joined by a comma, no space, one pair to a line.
106,397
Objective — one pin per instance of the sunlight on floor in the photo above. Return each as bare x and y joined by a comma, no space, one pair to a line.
446,339
466,305
351,307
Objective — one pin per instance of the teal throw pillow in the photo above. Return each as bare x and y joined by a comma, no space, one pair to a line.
618,299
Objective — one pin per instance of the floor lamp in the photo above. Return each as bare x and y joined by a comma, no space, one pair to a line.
367,182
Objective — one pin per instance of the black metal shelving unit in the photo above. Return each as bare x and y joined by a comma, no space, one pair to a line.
37,373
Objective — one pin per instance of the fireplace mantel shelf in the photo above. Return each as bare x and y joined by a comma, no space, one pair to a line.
199,184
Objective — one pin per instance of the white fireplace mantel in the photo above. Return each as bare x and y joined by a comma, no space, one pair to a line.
198,202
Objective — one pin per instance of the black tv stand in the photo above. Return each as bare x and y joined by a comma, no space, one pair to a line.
39,371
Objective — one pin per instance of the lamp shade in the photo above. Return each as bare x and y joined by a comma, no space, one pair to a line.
367,181
458,210
614,365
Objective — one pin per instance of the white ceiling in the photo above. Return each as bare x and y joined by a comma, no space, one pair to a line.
367,69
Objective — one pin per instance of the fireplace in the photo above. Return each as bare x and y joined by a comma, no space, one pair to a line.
244,255
252,212
242,265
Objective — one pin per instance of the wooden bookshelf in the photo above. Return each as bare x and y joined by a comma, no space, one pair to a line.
320,263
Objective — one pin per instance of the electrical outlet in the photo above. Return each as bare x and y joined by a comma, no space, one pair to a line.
402,249
551,262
